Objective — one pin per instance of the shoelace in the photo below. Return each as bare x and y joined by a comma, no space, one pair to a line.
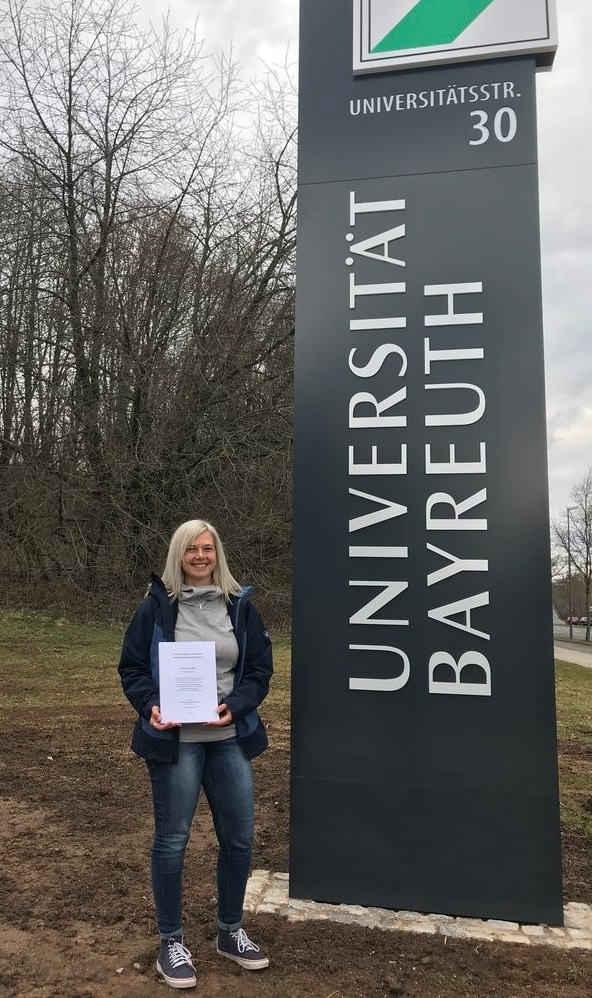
243,942
178,954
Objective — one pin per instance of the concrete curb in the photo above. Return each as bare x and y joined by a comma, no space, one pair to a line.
267,893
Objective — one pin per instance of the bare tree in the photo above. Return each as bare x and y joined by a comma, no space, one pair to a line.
576,541
146,298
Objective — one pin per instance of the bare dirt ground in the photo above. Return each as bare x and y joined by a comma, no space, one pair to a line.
76,917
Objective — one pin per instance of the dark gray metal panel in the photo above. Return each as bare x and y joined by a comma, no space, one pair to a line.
447,848
433,770
335,144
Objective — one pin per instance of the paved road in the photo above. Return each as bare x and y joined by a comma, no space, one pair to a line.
576,653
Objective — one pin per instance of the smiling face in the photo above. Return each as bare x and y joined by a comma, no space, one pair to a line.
199,561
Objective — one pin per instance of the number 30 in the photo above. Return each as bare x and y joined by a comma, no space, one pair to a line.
505,126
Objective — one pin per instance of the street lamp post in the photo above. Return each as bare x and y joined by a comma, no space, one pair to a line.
569,510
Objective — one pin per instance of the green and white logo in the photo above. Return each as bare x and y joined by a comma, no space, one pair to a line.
397,34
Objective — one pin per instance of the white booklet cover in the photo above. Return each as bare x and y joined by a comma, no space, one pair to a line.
187,675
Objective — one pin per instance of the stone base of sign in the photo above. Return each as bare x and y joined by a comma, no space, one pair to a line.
267,893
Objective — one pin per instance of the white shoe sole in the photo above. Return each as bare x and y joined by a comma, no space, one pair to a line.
188,982
260,964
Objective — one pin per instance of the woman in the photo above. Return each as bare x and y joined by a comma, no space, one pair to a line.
197,599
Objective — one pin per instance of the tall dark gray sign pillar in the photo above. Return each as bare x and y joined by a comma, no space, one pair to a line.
424,770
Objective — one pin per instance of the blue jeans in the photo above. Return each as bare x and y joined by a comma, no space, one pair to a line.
227,778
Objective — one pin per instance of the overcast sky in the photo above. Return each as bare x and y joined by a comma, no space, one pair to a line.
263,30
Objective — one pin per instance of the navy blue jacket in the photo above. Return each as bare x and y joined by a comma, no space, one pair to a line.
153,622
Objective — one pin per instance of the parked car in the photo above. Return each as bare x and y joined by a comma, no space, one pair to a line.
583,621
572,620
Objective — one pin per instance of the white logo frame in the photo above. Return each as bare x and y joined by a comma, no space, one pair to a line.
501,36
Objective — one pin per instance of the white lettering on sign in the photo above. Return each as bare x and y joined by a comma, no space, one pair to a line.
452,96
378,420
442,663
382,685
463,608
391,510
457,418
451,316
454,521
383,413
453,513
455,565
390,590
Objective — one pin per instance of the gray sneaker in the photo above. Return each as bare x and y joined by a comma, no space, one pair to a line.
174,963
238,947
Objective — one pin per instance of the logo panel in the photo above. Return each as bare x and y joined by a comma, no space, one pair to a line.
398,34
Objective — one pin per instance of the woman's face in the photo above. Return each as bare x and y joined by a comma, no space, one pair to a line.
199,560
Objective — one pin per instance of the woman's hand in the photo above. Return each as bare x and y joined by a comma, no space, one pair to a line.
224,716
155,721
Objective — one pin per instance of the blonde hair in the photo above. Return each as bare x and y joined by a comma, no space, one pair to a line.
180,541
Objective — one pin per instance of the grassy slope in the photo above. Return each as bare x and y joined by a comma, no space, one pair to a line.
574,730
44,661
